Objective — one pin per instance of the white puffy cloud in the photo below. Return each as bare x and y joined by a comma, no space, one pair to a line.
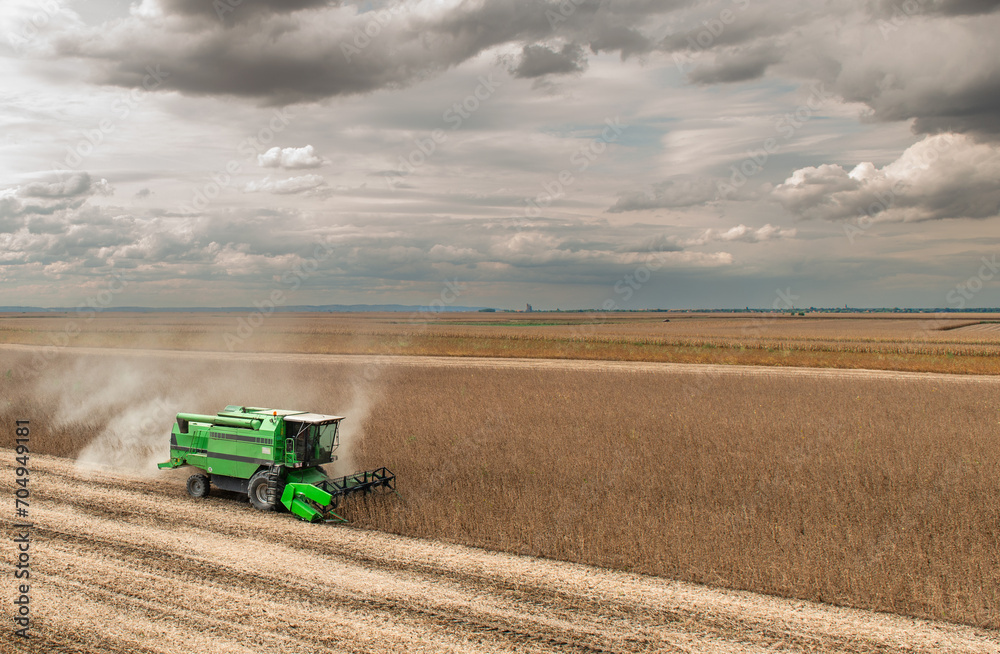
743,234
942,176
290,158
291,185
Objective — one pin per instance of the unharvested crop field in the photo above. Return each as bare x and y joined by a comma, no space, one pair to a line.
953,343
876,491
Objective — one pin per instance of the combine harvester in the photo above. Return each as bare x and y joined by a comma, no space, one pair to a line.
271,455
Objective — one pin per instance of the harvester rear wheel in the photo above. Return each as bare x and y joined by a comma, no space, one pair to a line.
258,492
198,486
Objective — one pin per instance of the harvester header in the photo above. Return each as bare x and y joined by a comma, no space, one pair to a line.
271,455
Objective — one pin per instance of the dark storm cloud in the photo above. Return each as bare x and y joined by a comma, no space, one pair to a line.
239,9
920,60
736,65
975,109
941,72
886,8
317,50
538,60
965,7
627,40
924,61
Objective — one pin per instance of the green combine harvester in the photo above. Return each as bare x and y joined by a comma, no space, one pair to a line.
273,456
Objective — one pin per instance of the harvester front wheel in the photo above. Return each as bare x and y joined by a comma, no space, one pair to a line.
198,486
278,506
258,492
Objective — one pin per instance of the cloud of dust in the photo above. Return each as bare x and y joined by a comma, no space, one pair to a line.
364,391
119,411
88,390
135,439
121,400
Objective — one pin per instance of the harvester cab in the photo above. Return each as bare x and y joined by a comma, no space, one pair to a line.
311,439
273,456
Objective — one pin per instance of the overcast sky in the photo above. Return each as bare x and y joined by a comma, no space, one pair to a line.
624,153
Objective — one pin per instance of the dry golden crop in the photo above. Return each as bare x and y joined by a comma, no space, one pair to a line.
882,494
949,343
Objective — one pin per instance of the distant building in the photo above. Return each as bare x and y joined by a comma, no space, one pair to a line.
528,308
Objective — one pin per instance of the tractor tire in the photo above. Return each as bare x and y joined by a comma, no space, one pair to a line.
198,486
278,506
257,491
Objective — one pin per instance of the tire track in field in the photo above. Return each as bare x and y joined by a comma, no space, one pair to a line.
704,625
495,363
171,565
178,567
540,633
127,564
537,596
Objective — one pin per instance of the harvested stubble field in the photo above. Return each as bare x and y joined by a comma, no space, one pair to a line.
116,573
871,491
916,342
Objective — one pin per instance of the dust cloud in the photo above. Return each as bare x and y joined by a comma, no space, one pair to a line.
120,405
115,411
364,389
135,439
